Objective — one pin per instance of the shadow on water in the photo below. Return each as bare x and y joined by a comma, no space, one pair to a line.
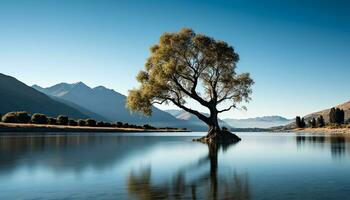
209,184
336,144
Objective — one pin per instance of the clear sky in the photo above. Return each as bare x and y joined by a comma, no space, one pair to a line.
298,52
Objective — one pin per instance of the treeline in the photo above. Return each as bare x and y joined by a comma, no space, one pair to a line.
23,117
336,116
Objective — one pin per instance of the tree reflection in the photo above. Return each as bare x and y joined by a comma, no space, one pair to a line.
209,184
336,144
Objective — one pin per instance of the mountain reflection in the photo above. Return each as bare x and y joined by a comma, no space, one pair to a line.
209,184
336,144
63,153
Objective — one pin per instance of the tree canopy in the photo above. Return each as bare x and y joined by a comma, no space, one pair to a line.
187,65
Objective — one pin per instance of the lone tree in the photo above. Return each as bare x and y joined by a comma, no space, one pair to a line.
186,65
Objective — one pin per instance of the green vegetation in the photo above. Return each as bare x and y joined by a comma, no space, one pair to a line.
300,122
38,118
72,122
183,65
81,122
336,116
312,123
62,120
23,117
52,121
91,122
336,119
320,121
10,117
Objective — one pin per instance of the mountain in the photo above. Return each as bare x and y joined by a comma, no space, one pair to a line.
17,96
258,122
193,120
325,113
108,104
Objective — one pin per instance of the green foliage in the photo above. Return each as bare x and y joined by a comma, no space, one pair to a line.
184,64
298,122
72,122
52,121
22,117
312,123
119,124
107,124
10,117
38,118
91,122
336,116
320,121
100,124
16,117
147,126
81,122
302,123
62,120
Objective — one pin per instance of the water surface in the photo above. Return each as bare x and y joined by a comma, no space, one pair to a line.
171,166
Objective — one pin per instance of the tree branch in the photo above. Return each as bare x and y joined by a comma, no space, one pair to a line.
227,109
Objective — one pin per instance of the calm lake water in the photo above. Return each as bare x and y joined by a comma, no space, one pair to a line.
171,166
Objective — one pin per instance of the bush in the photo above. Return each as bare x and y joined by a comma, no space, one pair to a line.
100,124
119,124
10,117
72,122
90,122
22,117
52,121
81,122
62,120
147,126
107,124
38,118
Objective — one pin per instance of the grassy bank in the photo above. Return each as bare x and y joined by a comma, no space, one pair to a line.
15,127
325,130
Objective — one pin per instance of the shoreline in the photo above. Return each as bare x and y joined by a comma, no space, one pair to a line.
343,131
42,128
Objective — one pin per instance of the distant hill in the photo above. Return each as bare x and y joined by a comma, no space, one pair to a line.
258,122
192,119
325,113
17,96
108,104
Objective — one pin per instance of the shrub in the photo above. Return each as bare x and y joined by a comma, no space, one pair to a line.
90,122
119,124
81,122
38,118
72,122
107,124
22,117
62,120
147,126
100,124
52,121
10,117
126,125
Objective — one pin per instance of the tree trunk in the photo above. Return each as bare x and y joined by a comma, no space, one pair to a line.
213,123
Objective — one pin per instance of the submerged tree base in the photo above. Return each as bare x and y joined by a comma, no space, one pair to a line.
223,137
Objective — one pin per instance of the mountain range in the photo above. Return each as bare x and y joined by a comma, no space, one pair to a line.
17,96
106,104
258,122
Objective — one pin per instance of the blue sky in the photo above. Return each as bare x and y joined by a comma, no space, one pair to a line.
298,52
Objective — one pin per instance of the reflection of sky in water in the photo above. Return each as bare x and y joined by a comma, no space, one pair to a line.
261,166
